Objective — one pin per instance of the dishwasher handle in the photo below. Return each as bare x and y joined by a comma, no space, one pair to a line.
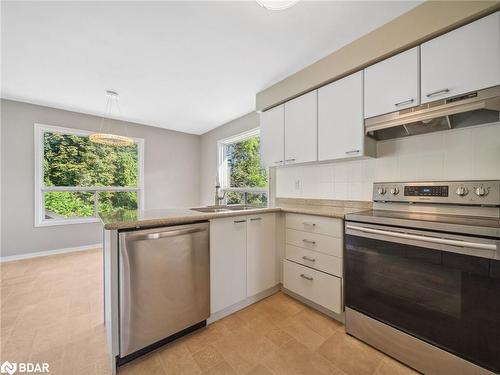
166,234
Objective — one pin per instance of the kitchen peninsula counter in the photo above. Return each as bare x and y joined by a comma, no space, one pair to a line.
135,219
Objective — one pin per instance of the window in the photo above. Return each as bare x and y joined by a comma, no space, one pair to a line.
76,179
241,176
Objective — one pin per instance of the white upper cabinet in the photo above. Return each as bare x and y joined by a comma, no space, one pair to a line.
301,129
463,60
272,137
340,118
392,84
261,253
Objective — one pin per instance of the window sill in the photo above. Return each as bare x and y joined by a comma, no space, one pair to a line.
51,223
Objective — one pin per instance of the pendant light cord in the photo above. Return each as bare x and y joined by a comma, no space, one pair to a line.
107,110
117,101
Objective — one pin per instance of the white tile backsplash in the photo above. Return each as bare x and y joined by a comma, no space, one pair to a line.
340,172
470,153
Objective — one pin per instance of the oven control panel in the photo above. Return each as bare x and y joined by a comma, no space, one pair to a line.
426,191
485,193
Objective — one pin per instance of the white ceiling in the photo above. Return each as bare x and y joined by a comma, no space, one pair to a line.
188,66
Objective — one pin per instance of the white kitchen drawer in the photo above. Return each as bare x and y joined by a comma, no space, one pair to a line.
313,241
316,286
315,224
315,259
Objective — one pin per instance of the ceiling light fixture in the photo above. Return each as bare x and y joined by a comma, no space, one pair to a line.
277,4
109,139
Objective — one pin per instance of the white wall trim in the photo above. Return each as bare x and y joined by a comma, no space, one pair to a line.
50,252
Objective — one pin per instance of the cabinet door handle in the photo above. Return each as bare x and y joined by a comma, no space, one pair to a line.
439,92
309,241
352,152
278,162
307,223
288,160
306,277
407,101
239,221
308,258
255,218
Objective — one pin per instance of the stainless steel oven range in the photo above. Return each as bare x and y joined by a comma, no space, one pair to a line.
422,275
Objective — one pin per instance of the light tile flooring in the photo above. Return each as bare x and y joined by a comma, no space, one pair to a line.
51,311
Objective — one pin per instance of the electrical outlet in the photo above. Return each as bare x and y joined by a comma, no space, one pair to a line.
297,184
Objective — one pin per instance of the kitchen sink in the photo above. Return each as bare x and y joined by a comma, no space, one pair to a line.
225,208
209,209
241,207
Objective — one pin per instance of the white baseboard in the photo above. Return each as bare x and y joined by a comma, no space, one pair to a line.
314,305
11,258
242,304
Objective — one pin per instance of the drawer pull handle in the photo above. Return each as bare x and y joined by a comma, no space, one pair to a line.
278,162
306,277
352,152
305,257
255,218
307,223
439,92
309,242
239,221
407,101
289,160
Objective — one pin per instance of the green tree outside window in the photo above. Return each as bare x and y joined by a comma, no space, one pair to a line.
72,160
245,171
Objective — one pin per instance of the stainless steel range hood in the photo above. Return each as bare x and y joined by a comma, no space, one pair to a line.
474,108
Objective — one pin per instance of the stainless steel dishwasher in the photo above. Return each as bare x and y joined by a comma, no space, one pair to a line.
164,286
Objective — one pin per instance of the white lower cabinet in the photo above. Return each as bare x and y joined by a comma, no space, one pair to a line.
227,262
316,286
261,253
322,262
315,224
242,258
317,242
314,259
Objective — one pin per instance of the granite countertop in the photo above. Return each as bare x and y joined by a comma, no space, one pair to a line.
128,219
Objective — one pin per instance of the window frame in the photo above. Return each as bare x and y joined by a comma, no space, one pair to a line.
41,189
223,168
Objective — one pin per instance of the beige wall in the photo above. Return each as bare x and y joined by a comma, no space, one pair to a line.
422,23
171,175
208,160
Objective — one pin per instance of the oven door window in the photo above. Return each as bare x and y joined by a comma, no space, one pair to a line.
449,300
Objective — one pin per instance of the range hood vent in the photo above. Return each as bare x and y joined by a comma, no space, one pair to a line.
475,108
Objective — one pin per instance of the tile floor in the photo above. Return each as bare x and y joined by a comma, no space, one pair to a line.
51,311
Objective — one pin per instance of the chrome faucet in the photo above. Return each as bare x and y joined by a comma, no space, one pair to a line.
218,197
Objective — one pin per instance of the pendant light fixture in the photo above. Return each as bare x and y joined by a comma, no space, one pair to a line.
277,4
108,139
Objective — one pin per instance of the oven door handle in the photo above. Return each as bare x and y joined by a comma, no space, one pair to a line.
444,241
